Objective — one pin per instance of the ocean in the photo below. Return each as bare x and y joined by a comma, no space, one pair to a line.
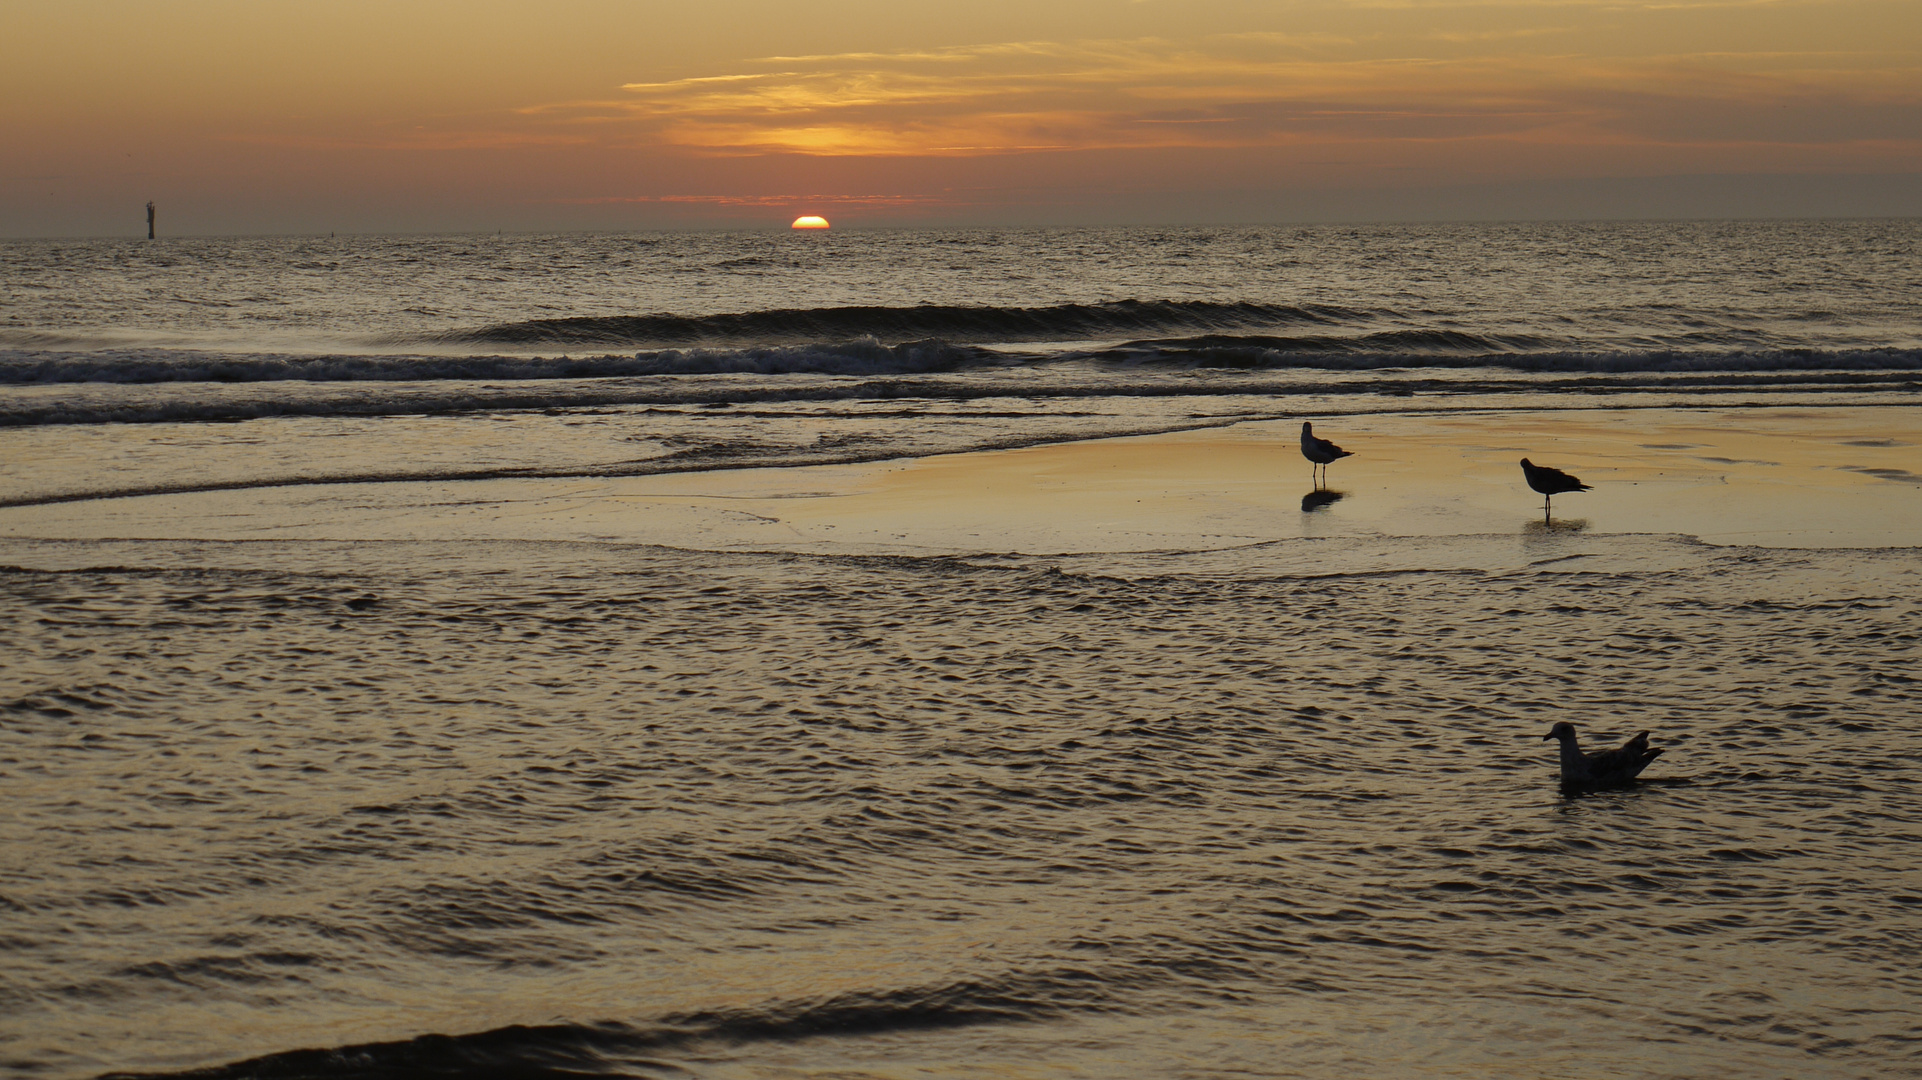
548,656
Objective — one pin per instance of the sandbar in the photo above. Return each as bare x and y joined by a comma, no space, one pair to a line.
1841,477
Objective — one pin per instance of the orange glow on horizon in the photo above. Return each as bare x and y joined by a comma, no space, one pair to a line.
809,221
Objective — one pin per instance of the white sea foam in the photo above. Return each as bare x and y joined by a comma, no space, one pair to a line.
869,357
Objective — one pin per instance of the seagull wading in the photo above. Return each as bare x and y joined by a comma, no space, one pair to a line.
1550,482
1319,452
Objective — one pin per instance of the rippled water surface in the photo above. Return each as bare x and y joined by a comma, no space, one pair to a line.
1631,287
386,809
661,813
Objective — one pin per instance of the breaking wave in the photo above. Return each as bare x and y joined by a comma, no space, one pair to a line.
961,324
863,357
1423,349
1453,349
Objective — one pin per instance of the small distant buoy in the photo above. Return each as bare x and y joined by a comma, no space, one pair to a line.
809,221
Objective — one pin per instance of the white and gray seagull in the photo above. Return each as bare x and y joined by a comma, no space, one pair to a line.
1604,768
1319,452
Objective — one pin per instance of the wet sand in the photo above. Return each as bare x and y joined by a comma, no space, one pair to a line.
1803,477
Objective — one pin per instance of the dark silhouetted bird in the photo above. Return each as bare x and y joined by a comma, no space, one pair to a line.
1606,769
1550,482
1319,451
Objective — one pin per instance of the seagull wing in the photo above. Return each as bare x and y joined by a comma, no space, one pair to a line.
1625,762
1560,479
1320,450
1327,446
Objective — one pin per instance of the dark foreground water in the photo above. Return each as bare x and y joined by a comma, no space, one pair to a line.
385,810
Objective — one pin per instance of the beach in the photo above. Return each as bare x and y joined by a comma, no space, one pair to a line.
1066,760
847,657
1789,477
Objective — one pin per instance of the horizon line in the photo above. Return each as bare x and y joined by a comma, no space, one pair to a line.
784,228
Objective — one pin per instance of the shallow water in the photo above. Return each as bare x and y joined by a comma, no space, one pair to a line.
668,813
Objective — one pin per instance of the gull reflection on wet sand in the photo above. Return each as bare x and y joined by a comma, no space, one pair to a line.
1321,500
1533,527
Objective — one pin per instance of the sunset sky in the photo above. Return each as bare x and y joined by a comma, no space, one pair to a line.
245,116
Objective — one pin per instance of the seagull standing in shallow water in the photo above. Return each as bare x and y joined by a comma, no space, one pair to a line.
1319,452
1550,482
1603,769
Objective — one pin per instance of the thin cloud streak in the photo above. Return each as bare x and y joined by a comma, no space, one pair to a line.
790,201
1022,97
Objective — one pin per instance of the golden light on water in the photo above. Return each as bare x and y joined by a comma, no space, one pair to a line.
809,221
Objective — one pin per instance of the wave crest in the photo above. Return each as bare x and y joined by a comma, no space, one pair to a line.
1452,349
972,325
860,357
1421,349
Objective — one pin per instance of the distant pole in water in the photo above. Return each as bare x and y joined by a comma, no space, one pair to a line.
150,219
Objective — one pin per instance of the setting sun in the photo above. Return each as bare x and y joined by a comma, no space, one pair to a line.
809,221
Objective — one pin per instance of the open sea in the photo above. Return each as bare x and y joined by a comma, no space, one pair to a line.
349,807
